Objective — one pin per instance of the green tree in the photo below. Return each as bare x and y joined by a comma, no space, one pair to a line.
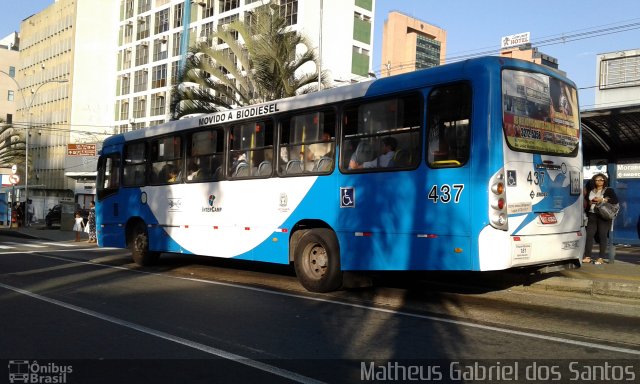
259,63
12,145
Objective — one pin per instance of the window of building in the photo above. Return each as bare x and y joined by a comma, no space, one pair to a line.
159,76
127,31
178,14
307,143
449,120
177,43
10,95
143,6
128,9
124,110
206,30
427,52
125,84
289,11
142,53
139,107
207,9
158,104
143,27
140,80
250,148
361,28
162,21
160,48
205,155
360,61
126,58
382,135
12,71
620,72
227,5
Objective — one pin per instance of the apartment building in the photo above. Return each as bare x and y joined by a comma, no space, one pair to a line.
120,59
153,37
67,72
410,44
9,89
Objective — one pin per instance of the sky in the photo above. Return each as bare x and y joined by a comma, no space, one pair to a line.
475,26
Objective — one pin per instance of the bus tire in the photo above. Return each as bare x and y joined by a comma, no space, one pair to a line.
317,260
140,247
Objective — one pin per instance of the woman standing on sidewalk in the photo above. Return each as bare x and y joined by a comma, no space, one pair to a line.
597,191
92,222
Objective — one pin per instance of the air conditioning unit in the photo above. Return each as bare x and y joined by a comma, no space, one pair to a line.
141,19
129,22
202,39
144,43
201,3
125,76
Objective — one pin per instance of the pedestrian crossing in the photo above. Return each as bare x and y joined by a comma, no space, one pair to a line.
11,245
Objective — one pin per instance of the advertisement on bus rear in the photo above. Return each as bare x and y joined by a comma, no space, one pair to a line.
540,114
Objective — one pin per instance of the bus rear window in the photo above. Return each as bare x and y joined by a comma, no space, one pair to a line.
540,114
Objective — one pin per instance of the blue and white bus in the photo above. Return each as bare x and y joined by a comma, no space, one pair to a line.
472,166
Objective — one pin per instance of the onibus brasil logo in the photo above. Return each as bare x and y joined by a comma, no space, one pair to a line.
25,371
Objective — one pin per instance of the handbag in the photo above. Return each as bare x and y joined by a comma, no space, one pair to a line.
86,228
607,211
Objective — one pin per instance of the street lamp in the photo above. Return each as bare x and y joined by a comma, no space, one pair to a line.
26,152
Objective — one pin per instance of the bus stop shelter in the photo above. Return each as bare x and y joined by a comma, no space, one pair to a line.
611,144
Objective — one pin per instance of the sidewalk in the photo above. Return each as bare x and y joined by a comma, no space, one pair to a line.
618,280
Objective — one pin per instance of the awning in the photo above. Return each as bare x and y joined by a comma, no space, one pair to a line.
611,133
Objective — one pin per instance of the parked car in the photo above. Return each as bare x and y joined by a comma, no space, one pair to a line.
53,217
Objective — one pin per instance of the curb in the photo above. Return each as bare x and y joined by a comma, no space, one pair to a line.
593,288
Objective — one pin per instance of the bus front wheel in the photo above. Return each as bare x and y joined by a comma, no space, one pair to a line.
317,260
140,247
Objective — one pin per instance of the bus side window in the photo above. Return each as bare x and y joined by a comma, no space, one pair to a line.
250,145
134,164
205,153
449,117
307,143
382,135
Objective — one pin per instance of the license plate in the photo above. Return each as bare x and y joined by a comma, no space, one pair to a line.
548,218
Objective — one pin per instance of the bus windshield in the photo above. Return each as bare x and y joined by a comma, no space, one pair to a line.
540,114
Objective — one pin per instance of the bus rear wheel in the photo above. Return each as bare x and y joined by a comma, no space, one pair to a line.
317,260
140,247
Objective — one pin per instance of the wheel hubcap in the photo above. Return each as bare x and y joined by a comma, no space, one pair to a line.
317,260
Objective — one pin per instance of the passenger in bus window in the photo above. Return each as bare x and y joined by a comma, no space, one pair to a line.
388,148
316,151
172,173
193,171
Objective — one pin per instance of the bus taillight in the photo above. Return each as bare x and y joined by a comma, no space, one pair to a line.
498,201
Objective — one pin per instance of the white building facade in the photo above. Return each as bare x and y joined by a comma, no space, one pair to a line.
120,59
152,42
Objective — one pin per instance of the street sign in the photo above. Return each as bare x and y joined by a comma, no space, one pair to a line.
14,179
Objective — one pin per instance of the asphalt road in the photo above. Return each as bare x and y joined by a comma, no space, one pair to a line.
195,320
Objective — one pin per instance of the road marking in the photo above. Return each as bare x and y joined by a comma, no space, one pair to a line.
176,339
381,310
62,244
6,247
30,245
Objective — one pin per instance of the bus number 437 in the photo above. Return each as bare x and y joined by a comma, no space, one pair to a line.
444,193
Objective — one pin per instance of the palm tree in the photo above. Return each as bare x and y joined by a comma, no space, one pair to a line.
12,145
260,63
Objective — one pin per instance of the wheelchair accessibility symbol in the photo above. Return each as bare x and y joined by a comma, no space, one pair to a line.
347,197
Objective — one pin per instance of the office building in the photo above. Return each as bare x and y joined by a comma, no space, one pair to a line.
409,44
